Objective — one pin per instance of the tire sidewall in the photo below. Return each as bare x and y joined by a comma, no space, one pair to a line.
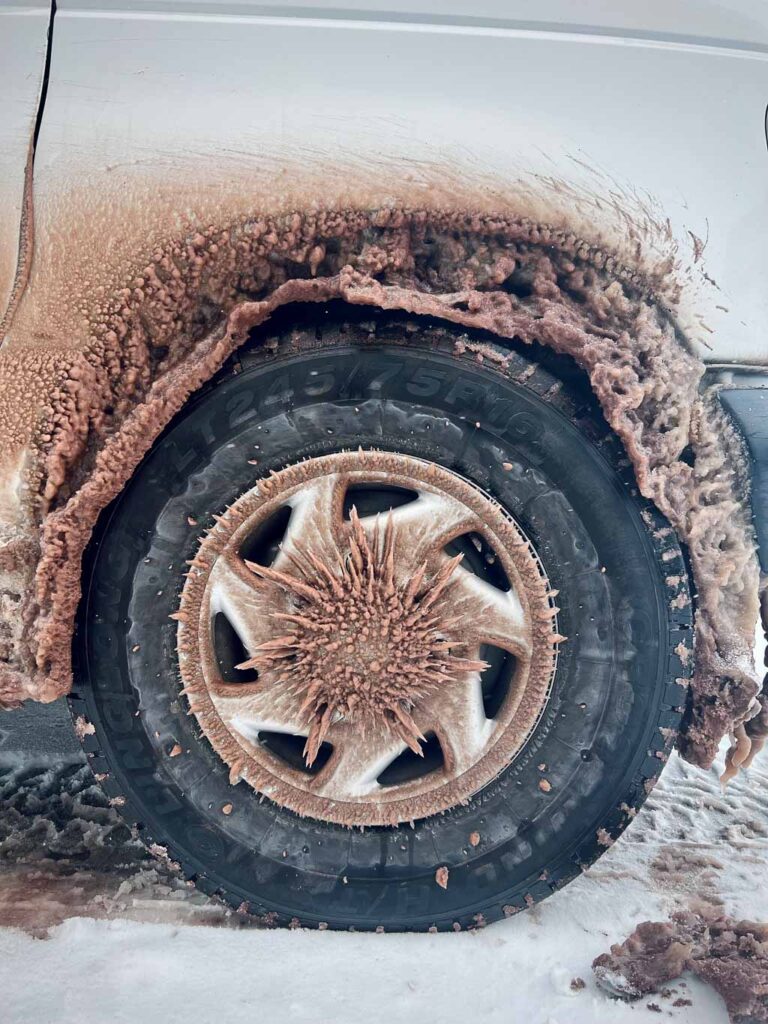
598,745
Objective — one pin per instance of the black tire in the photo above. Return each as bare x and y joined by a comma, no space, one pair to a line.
617,695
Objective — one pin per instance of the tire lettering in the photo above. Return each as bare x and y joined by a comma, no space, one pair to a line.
381,379
279,392
499,413
465,391
240,408
181,459
322,382
426,384
522,426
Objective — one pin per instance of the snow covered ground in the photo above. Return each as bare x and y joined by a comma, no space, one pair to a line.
126,943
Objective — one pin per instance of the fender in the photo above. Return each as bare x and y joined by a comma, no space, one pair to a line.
169,154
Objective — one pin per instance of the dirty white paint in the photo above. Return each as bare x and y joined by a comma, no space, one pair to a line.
625,116
23,31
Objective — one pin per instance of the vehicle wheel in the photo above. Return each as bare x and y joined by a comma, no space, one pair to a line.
301,690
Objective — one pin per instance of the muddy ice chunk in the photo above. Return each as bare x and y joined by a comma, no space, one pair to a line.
654,954
736,966
515,277
730,955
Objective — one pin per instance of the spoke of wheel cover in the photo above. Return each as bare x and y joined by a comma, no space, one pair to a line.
489,615
461,726
315,523
356,763
269,705
247,603
424,527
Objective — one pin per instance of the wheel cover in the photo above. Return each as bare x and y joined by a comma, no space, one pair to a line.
366,637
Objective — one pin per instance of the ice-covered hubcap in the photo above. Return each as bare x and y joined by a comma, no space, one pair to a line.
362,644
345,657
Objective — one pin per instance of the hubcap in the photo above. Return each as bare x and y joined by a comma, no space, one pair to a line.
366,638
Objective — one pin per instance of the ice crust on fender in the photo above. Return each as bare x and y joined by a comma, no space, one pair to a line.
176,316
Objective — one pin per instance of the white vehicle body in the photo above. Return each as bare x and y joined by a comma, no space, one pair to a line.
649,121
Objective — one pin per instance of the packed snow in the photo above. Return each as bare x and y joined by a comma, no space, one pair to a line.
106,932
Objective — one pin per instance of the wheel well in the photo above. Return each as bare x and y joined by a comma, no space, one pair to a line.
169,328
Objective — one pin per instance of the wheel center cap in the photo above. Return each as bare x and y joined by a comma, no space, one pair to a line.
361,645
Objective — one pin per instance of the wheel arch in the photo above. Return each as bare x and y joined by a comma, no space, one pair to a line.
93,704
166,334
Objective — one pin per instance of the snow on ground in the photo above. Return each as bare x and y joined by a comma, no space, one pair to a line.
115,941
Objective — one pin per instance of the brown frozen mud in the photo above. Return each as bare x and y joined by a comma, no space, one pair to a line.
730,955
165,329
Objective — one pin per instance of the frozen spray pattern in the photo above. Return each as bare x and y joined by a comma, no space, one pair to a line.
194,301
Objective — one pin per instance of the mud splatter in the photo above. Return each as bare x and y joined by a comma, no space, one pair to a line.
730,955
83,727
191,301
